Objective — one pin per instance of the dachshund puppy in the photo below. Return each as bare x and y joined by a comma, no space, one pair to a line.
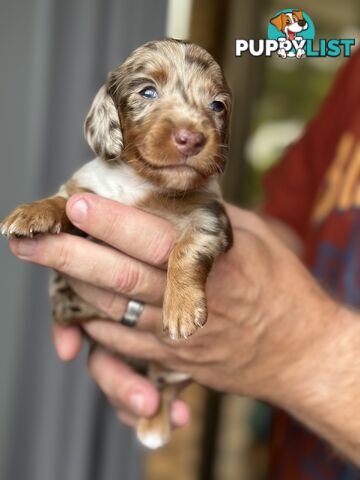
159,128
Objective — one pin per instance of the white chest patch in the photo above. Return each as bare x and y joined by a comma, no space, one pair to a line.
116,182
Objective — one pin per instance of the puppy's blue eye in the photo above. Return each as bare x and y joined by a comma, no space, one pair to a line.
217,106
149,92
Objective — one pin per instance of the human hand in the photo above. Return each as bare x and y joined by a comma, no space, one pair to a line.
258,295
131,393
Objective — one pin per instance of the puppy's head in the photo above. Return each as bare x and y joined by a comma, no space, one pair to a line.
165,111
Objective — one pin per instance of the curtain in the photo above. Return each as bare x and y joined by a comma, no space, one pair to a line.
54,55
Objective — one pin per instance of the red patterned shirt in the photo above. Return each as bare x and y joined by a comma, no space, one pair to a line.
315,189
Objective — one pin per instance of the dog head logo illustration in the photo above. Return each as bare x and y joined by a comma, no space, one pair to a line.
291,27
290,23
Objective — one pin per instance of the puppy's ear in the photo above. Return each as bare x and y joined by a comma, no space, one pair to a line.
102,127
278,21
298,14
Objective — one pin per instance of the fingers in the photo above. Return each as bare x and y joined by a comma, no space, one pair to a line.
131,394
179,414
67,341
122,385
136,344
104,266
114,305
126,341
120,226
126,417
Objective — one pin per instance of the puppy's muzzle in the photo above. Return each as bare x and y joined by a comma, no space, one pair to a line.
188,142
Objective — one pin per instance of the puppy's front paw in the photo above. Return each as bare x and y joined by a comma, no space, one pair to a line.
184,311
29,219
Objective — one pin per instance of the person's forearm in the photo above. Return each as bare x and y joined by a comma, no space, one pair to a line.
322,389
308,388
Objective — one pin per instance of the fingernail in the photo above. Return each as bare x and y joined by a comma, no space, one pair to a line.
79,211
175,417
25,248
137,402
179,414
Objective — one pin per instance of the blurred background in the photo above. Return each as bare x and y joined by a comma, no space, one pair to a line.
54,55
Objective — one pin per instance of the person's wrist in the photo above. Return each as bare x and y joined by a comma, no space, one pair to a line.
323,390
299,338
304,379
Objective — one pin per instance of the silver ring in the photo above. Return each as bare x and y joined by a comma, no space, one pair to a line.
133,311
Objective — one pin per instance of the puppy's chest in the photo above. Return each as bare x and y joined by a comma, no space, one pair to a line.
116,182
122,184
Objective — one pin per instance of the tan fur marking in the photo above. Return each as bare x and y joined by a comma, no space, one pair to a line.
72,187
184,309
202,234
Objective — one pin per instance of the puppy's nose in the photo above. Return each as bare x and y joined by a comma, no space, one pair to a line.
302,23
188,142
